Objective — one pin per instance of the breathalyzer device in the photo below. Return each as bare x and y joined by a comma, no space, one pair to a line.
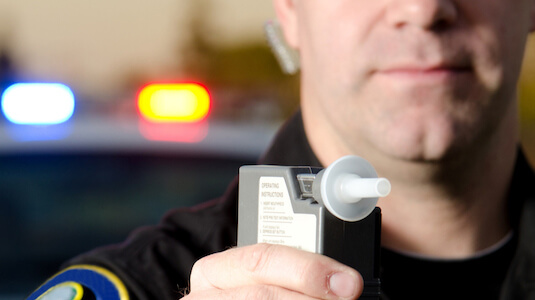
330,211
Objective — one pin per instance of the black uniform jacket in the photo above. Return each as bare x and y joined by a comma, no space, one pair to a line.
155,262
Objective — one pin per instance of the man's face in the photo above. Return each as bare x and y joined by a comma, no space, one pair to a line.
415,79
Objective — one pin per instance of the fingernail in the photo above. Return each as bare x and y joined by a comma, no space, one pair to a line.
343,284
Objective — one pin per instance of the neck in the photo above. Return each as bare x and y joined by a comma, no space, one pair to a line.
454,208
451,208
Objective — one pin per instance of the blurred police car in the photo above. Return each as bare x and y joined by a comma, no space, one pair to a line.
73,179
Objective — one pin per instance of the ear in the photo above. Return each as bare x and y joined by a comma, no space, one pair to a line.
287,16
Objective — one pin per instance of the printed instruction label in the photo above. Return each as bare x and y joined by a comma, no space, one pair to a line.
277,222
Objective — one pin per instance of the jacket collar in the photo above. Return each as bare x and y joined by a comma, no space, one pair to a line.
290,146
520,280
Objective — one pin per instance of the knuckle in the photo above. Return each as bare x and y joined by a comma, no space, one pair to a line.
313,271
195,270
197,277
257,257
313,266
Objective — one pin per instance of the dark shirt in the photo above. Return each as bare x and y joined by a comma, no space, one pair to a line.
405,276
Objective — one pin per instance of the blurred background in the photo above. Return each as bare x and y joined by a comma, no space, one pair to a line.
67,188
106,50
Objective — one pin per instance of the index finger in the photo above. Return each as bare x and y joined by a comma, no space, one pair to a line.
308,273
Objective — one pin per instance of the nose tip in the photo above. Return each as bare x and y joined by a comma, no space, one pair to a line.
427,14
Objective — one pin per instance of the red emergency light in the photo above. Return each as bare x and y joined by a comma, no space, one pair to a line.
174,102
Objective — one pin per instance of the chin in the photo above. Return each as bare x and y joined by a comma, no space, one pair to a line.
422,149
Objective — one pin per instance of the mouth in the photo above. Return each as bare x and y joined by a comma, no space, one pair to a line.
417,73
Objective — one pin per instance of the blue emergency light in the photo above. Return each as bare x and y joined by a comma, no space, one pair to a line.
38,103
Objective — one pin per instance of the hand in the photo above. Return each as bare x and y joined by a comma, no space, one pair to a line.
265,271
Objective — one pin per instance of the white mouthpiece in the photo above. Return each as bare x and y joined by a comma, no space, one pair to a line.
350,189
353,188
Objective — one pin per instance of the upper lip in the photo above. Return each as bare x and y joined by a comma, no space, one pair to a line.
419,67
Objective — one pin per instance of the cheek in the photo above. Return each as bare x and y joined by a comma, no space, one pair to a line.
335,52
488,57
499,37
